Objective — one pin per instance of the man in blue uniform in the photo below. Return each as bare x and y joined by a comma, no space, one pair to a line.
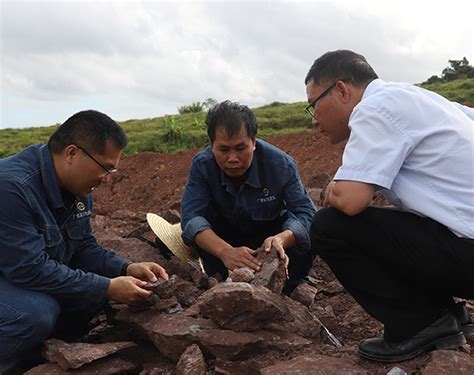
243,193
53,274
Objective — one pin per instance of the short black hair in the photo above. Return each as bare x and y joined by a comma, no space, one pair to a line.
343,65
230,117
90,129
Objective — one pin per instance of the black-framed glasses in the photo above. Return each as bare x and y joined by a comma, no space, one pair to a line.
310,108
107,170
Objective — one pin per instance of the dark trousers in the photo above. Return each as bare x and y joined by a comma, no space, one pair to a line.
403,269
28,317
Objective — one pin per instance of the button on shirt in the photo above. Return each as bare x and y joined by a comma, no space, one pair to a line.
272,193
46,243
418,148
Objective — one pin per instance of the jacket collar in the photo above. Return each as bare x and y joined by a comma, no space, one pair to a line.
50,179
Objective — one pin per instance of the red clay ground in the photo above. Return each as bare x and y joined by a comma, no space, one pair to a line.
151,182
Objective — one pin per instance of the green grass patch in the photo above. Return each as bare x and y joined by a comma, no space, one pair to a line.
460,90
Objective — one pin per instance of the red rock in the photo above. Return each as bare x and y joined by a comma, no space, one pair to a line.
326,316
187,271
272,275
172,334
246,307
104,366
75,355
242,306
304,294
242,275
184,291
170,305
314,365
191,362
449,362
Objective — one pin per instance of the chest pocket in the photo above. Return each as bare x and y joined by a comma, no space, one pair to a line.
79,230
267,211
54,242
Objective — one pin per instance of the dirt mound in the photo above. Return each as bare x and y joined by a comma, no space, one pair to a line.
151,182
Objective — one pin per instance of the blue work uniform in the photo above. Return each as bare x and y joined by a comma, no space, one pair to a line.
50,262
271,199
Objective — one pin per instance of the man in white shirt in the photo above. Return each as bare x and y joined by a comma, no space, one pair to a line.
403,265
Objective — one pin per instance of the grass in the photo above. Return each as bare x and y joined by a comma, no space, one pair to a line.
188,131
460,90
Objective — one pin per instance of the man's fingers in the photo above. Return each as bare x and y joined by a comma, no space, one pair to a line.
143,293
267,244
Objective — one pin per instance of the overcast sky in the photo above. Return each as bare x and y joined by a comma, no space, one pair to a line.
141,59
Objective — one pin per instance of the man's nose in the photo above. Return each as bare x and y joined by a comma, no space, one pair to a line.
314,121
233,157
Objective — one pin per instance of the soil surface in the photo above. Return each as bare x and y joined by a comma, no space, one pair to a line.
153,182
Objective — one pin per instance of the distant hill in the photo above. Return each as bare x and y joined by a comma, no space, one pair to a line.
459,90
187,131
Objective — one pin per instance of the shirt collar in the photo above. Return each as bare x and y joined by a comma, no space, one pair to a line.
50,179
372,87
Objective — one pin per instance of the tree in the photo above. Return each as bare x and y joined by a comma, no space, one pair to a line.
457,69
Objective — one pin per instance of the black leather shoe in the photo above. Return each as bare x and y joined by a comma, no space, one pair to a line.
442,334
464,320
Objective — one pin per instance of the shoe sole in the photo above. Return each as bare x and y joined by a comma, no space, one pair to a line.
449,342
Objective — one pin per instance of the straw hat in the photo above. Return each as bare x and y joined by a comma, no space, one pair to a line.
170,235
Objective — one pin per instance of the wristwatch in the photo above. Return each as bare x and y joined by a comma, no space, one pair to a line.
123,271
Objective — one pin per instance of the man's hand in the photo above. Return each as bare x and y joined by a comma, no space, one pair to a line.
327,194
278,243
127,289
147,271
237,257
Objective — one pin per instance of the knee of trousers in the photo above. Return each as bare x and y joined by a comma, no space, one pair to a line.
326,223
24,328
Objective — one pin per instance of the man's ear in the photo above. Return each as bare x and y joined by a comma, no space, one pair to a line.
344,91
69,153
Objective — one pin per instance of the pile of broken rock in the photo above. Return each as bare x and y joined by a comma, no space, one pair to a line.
194,324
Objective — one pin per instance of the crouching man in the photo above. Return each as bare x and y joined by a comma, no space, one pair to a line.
402,265
243,193
54,276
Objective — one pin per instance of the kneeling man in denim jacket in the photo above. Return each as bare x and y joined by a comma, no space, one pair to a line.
54,276
243,193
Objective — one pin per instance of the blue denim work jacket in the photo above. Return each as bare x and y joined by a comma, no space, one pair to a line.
46,242
271,200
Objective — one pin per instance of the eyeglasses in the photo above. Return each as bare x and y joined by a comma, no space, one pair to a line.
107,170
310,107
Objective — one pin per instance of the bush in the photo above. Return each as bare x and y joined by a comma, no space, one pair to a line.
191,108
173,130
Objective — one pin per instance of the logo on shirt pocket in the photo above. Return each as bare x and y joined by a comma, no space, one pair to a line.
80,206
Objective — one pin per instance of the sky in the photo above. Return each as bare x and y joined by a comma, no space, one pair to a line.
143,59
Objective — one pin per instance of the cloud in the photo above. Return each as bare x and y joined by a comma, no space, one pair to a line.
142,59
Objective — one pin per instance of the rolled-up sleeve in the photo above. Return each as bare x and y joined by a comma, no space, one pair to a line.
23,259
194,204
300,208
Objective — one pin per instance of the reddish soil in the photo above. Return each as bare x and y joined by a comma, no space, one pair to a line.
152,182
